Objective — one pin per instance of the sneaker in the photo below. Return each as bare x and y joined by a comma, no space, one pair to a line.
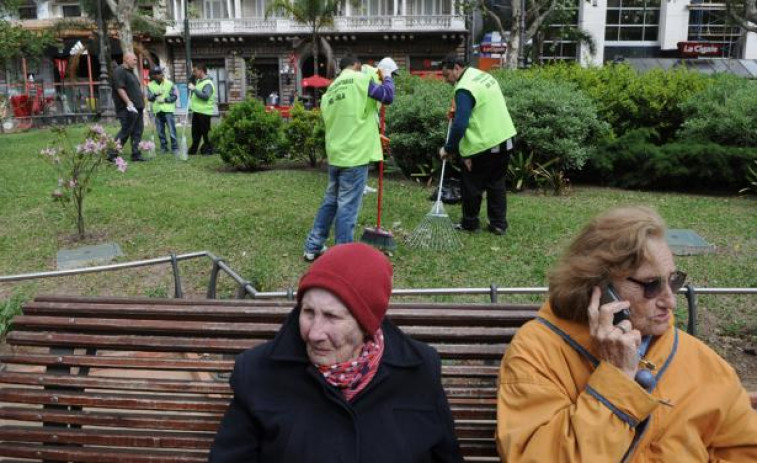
368,189
311,256
496,230
459,227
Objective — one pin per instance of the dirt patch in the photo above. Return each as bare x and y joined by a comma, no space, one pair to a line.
740,352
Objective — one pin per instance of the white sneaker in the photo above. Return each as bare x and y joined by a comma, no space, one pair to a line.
368,189
311,256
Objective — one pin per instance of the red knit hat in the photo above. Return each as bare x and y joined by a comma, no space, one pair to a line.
359,275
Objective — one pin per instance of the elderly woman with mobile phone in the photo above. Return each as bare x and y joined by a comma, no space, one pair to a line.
339,383
574,386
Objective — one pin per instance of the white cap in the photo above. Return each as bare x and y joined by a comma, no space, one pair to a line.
387,66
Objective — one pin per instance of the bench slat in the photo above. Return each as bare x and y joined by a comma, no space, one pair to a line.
131,384
111,400
169,364
100,454
263,330
112,418
106,437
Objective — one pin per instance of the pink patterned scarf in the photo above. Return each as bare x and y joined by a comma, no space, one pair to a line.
353,376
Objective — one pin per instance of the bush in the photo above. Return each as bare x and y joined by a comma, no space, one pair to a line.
248,138
629,100
637,161
305,135
553,119
416,123
723,113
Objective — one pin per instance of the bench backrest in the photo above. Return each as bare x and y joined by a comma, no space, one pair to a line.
138,380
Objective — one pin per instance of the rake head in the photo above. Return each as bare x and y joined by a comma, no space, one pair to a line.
436,231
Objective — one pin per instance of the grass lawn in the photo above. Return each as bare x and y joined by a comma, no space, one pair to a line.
258,222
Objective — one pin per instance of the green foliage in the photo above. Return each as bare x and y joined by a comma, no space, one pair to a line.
723,113
9,308
248,138
751,177
305,135
17,42
553,119
417,124
629,100
635,160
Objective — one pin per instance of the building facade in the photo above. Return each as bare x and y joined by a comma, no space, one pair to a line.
250,55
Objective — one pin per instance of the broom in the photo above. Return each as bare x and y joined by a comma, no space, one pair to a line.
379,237
436,231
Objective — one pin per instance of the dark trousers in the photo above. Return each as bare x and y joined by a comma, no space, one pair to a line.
200,130
132,125
487,174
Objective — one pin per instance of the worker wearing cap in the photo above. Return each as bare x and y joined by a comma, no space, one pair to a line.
162,93
352,142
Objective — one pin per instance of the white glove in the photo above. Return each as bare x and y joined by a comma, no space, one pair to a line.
131,108
387,66
191,87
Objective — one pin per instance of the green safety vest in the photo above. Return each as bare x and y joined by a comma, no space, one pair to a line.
352,136
162,89
198,105
490,122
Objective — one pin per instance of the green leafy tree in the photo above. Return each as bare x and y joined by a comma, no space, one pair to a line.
316,14
17,41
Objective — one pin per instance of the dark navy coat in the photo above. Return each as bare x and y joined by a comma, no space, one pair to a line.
284,411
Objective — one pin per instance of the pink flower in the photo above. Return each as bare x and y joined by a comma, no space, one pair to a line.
98,129
57,194
71,183
121,164
146,145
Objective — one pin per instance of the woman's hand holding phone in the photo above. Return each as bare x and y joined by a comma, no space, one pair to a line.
617,343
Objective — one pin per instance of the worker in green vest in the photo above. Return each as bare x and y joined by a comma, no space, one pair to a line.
163,95
352,142
481,132
202,103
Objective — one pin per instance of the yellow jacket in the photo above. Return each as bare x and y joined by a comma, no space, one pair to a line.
554,406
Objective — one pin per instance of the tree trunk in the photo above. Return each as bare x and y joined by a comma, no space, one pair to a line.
123,10
315,52
79,200
513,48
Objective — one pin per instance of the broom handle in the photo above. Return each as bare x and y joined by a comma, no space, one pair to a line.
382,126
444,164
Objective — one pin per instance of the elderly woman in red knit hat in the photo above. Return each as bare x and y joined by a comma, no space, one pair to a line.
339,382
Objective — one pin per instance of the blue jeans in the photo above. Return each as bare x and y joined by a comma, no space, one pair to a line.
161,120
340,206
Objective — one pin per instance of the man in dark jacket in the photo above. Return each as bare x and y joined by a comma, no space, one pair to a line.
339,383
130,105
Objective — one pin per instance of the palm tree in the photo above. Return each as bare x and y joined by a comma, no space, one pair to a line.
316,14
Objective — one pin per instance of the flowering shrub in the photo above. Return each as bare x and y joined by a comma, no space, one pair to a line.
76,166
147,146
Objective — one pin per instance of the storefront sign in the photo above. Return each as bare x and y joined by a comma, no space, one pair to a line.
700,49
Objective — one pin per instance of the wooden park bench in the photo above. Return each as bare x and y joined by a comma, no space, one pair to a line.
138,380
145,380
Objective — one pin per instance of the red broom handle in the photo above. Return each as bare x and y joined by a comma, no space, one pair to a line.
382,127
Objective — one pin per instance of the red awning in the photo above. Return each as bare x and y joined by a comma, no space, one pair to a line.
316,81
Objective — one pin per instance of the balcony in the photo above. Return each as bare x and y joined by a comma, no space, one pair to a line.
342,24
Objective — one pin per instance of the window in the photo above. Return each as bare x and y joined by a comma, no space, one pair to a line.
255,9
215,9
376,7
428,7
71,11
558,42
27,12
714,26
632,20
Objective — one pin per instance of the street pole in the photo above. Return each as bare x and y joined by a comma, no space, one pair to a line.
187,40
522,35
107,110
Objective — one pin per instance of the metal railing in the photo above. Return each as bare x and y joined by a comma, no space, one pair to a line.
245,287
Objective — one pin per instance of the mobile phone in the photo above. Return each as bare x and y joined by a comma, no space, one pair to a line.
609,295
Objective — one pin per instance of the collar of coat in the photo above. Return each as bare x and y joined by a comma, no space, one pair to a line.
659,351
288,346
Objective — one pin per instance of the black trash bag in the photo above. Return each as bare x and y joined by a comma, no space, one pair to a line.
451,193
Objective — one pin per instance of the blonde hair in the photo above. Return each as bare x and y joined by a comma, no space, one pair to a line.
612,245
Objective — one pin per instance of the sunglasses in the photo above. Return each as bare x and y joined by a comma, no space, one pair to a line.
653,288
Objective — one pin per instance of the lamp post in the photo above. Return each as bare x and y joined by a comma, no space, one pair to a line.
187,40
105,96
